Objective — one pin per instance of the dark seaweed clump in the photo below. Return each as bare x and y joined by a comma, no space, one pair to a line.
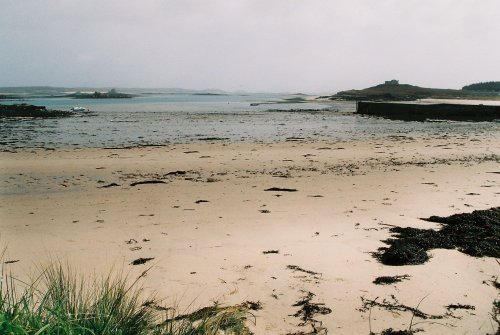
476,234
309,309
386,280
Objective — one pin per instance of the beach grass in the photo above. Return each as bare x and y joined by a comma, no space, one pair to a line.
62,301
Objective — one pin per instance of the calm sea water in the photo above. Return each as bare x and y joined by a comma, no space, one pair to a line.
159,119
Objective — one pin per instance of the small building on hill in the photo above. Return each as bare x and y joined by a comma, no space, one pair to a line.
392,82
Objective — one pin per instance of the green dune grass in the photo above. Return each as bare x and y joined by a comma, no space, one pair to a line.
61,301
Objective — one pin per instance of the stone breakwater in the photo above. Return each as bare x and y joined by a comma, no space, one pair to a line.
423,112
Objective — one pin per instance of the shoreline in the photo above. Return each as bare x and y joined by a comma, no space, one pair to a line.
211,225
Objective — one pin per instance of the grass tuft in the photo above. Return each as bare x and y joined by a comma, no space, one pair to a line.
62,302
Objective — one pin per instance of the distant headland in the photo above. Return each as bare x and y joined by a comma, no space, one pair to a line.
392,100
392,90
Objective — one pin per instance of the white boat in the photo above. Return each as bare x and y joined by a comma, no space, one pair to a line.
79,109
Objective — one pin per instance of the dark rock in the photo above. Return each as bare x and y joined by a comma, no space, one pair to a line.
25,110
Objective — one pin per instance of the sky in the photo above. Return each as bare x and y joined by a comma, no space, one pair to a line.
309,46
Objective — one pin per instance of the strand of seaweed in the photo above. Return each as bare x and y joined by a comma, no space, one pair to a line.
396,306
307,312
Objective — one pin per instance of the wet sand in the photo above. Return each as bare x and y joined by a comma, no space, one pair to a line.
202,213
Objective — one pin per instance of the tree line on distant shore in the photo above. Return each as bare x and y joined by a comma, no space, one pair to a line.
489,86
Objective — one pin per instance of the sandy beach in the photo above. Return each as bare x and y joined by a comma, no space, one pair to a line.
208,217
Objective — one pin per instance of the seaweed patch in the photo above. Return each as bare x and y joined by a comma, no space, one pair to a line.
386,280
307,312
141,260
476,234
298,268
393,305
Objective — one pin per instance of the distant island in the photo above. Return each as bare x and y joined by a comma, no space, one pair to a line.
392,90
111,94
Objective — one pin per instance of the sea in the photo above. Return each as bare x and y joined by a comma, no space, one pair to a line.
156,119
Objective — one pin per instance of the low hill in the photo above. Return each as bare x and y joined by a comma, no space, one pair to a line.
401,92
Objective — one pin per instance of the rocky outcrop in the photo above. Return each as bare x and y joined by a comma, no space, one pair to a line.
25,110
400,92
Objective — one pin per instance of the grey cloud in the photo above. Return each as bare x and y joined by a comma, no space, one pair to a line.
278,45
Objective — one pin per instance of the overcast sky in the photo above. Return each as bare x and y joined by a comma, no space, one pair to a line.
256,45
